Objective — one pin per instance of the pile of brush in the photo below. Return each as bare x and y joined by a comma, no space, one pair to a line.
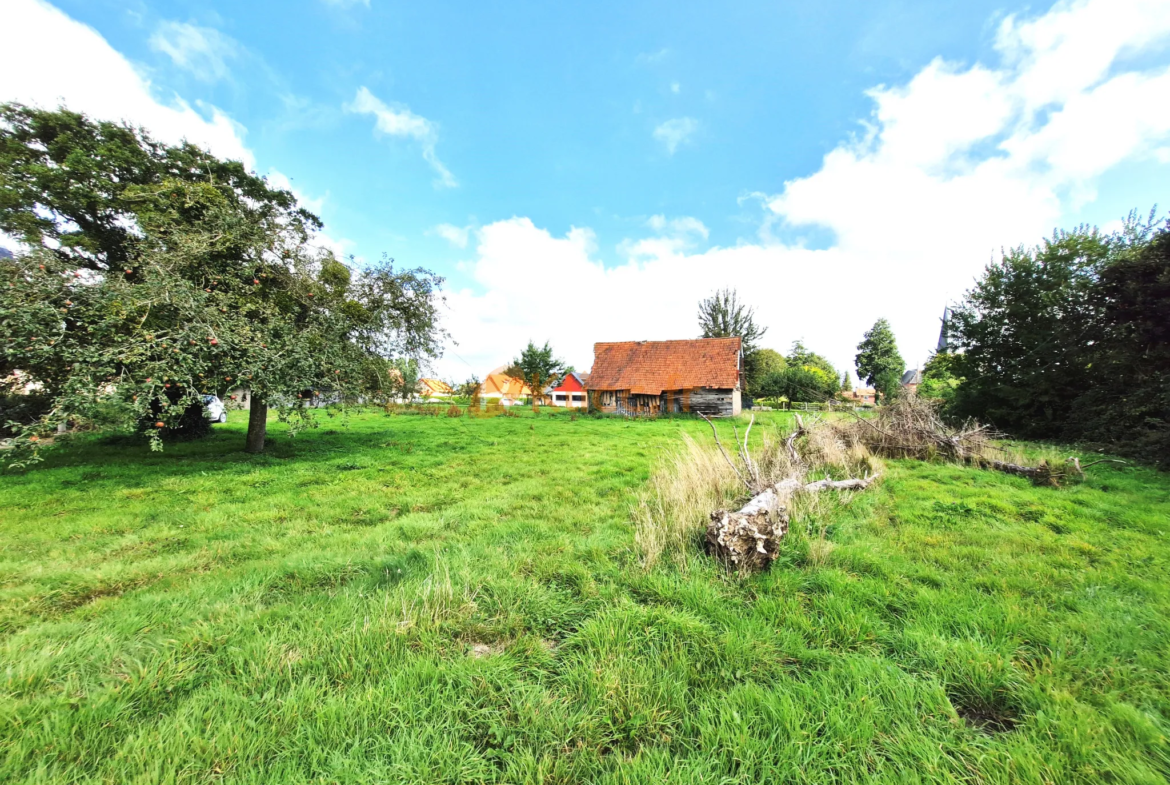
912,427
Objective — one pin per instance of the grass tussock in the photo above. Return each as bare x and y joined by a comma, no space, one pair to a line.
692,480
696,479
829,449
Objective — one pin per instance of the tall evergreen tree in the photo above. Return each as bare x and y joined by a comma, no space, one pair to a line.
878,360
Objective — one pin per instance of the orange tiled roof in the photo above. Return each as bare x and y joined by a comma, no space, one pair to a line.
498,382
435,386
649,367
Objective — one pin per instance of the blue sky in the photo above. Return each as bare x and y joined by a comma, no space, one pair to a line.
584,174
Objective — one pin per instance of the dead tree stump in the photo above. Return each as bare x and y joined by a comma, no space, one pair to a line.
747,542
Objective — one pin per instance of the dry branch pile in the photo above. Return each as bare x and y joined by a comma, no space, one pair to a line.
911,427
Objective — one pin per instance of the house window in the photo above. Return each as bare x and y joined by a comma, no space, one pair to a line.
559,397
578,397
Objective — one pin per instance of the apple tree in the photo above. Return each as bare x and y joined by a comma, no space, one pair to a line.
188,285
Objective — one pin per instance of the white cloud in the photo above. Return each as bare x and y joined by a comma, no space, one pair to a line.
678,226
954,165
671,236
675,88
86,74
405,123
203,51
456,235
652,58
675,132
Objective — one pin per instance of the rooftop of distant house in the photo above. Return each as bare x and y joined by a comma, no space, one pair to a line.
650,367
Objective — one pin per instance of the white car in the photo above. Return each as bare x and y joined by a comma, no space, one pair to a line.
213,408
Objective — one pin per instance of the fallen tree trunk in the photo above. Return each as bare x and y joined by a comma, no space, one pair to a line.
1045,473
748,538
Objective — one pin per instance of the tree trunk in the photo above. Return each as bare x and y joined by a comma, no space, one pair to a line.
749,539
257,423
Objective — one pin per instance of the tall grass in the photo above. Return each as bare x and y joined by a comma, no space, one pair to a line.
695,479
669,518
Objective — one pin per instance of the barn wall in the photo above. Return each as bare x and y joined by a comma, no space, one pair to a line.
701,400
715,402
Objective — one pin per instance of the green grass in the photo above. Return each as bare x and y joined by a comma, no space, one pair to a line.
413,599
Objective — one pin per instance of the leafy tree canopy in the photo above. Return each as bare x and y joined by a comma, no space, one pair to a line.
210,290
1069,340
469,387
800,383
537,368
764,363
877,355
800,355
77,186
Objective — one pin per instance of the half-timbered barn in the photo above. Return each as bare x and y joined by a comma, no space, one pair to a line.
703,375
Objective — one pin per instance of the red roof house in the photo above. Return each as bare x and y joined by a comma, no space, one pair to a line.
703,375
569,391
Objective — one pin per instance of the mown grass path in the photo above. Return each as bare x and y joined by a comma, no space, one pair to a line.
413,599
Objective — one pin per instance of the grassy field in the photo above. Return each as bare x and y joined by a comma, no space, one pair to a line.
410,599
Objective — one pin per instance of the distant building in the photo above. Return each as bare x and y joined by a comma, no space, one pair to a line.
703,375
569,391
911,379
864,396
434,388
504,388
944,343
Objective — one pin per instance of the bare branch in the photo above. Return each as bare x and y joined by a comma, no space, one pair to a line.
1103,460
730,463
790,442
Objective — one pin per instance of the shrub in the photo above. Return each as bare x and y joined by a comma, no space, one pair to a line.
454,411
22,409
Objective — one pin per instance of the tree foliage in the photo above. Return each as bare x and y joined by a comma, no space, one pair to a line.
469,387
878,361
537,368
177,287
940,377
722,315
1069,339
806,376
765,362
801,355
75,185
